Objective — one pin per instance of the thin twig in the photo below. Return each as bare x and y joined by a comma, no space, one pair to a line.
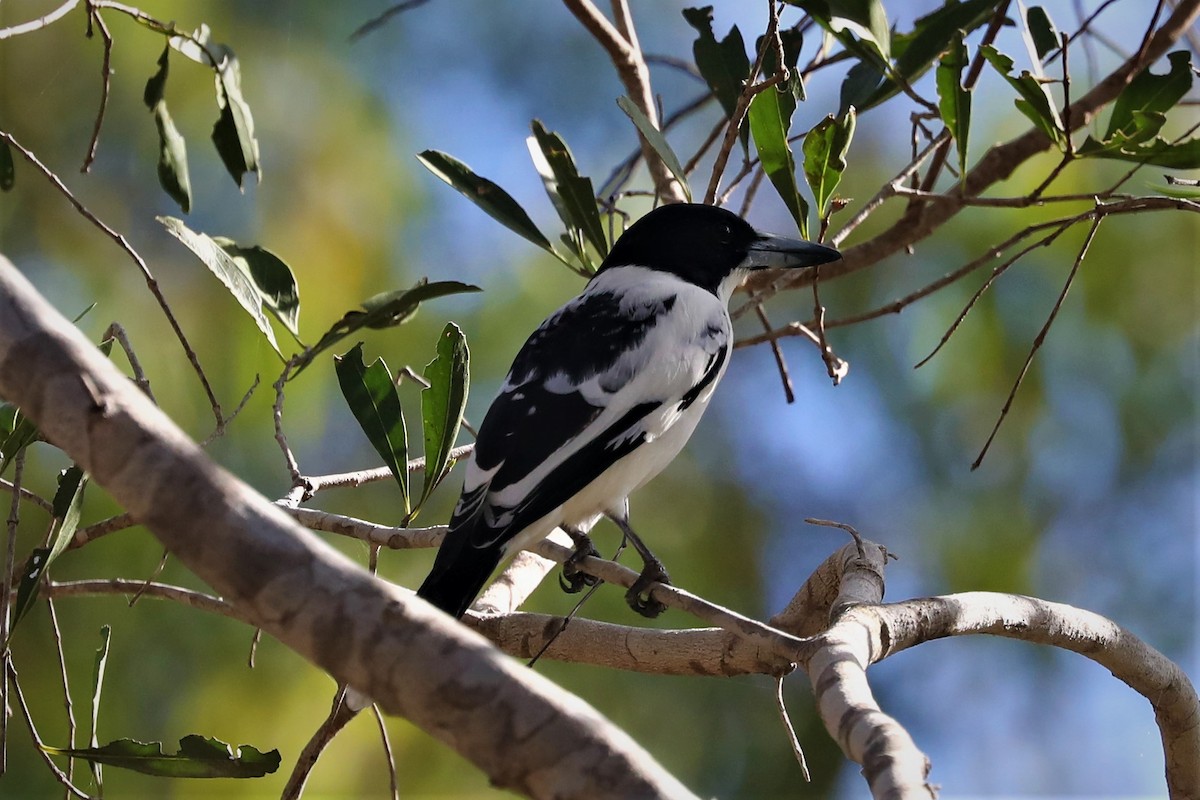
393,780
789,391
117,333
793,740
66,684
27,495
40,22
123,243
38,744
105,85
377,22
1037,342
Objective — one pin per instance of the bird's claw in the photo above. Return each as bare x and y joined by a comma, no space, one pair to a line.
573,579
638,597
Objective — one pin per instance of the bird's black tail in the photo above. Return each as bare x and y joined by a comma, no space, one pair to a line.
459,573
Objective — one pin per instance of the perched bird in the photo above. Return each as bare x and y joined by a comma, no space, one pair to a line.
604,394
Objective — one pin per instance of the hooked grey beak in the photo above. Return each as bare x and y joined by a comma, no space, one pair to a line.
771,251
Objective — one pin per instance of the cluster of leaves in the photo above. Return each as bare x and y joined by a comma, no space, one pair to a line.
233,132
571,194
371,394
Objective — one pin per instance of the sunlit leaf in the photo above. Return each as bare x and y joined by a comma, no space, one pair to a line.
865,19
825,149
723,64
1158,152
68,499
916,50
1150,93
498,203
272,278
571,193
228,271
443,403
198,757
233,133
954,102
1034,101
382,311
657,142
770,116
172,159
195,47
8,170
371,395
1041,31
16,433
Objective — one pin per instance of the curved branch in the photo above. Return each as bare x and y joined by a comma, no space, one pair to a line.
525,733
1128,658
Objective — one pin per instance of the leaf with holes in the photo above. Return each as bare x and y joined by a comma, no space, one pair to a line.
723,64
1034,101
198,757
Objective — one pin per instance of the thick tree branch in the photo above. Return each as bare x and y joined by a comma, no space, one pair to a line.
522,731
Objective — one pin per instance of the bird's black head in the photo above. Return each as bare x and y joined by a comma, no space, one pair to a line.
705,245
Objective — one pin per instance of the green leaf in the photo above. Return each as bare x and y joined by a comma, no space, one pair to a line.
68,499
865,19
381,311
571,193
172,159
723,64
16,433
8,172
1042,31
863,81
98,669
232,274
172,150
233,133
917,49
1150,93
371,395
657,142
770,116
825,148
272,278
1177,189
791,41
198,757
1159,152
498,203
1034,101
443,404
954,102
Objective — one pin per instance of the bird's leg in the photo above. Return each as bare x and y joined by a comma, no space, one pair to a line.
638,596
573,579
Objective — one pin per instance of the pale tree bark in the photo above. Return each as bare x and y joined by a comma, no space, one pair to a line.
522,731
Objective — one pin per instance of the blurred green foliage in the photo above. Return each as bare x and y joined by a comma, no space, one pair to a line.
1083,498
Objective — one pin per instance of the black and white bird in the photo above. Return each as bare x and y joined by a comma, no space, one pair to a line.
604,395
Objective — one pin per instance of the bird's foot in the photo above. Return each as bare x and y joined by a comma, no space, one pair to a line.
573,579
638,596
